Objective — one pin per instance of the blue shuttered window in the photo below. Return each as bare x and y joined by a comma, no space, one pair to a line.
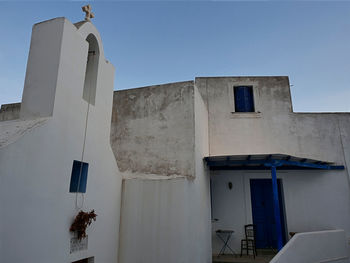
244,101
79,169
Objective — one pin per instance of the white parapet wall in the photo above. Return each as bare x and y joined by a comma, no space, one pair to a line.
312,247
42,137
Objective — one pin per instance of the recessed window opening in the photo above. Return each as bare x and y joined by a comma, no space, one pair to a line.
244,100
89,92
78,178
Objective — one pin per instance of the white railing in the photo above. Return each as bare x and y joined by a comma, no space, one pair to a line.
312,247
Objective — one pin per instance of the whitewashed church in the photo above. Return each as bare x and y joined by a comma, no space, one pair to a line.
175,173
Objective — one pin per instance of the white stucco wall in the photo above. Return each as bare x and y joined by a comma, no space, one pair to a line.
201,211
37,208
318,246
168,220
165,221
313,200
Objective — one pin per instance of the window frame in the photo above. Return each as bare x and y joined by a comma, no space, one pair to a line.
251,91
76,185
256,113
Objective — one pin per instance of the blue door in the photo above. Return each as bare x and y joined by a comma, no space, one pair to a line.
262,211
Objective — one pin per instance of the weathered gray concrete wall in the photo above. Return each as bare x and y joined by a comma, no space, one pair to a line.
168,219
10,111
273,128
153,130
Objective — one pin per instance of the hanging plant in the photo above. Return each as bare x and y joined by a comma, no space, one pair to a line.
81,222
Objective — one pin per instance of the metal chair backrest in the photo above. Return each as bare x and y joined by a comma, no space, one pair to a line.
249,231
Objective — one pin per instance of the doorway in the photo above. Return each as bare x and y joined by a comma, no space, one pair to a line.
263,212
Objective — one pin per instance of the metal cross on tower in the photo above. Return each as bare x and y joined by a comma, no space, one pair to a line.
88,13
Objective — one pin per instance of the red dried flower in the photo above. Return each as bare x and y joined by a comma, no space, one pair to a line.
81,222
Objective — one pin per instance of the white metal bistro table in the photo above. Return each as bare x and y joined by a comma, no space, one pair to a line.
221,233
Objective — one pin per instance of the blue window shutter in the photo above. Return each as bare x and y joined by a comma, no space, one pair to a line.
244,101
79,169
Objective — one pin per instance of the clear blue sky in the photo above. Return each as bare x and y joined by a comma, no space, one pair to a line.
159,42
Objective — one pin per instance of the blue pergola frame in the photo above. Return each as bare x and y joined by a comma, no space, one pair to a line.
269,162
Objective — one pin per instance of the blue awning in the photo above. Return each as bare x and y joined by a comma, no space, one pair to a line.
266,161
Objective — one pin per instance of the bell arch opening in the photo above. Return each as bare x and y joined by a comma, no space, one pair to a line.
90,82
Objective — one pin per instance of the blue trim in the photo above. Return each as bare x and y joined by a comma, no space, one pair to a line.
262,168
268,162
79,175
276,208
244,101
